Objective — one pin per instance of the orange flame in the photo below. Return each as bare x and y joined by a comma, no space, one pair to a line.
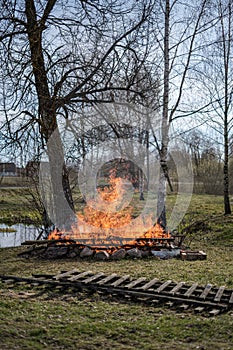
156,231
108,217
110,200
57,235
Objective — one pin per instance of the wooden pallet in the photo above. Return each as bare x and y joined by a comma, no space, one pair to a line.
209,299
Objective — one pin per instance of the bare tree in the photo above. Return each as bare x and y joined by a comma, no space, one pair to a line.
218,80
55,58
177,33
207,161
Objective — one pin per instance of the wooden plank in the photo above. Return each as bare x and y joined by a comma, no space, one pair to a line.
80,275
93,278
65,274
135,282
120,280
214,312
155,301
184,306
40,275
107,279
170,303
231,299
199,309
177,287
152,296
206,291
39,242
46,241
8,281
163,286
219,293
149,284
59,287
190,291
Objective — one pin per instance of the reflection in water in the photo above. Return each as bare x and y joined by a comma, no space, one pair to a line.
21,234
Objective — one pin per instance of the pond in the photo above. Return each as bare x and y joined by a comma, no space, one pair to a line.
13,236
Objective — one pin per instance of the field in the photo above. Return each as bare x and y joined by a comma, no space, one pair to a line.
37,319
17,203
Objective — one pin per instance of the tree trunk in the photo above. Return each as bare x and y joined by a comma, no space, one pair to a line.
141,184
61,191
61,204
147,160
227,206
161,206
226,40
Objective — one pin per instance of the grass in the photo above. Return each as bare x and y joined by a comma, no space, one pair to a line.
34,318
16,206
7,229
87,323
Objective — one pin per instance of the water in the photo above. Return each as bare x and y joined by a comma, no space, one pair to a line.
21,234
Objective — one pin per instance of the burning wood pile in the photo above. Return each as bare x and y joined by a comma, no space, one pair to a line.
100,232
61,246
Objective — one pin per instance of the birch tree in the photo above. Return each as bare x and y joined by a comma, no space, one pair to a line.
178,34
218,84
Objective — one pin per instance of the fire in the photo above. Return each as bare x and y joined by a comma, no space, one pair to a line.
156,231
108,214
110,219
114,191
58,235
105,220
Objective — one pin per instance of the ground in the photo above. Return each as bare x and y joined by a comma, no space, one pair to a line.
40,319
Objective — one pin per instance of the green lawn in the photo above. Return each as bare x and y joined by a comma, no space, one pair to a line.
17,206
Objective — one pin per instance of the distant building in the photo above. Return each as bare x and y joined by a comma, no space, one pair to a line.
8,169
